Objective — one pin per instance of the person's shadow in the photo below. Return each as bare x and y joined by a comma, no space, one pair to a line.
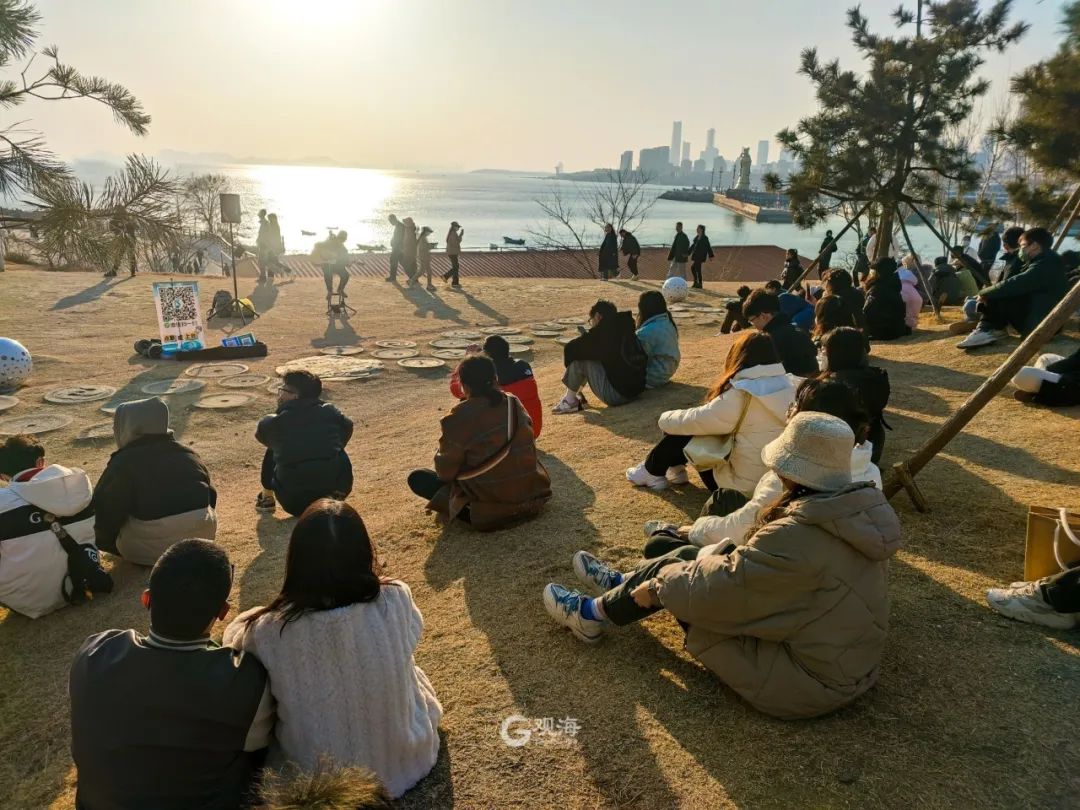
339,332
426,303
91,293
484,309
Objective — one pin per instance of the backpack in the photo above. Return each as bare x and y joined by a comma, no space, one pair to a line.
85,576
221,304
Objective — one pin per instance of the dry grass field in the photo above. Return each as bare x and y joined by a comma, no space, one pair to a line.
971,710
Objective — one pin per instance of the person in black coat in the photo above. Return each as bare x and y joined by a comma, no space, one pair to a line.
844,352
700,252
631,250
679,253
884,308
1053,381
1010,256
607,357
825,254
609,253
793,346
792,269
989,246
305,458
840,284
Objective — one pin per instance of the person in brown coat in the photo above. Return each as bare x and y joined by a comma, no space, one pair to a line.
794,617
486,470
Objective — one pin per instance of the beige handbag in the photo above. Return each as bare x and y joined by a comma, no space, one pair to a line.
710,452
1052,543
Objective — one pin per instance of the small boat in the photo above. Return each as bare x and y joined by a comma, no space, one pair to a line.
370,248
307,233
507,240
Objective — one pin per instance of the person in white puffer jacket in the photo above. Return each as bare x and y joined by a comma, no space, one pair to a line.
749,403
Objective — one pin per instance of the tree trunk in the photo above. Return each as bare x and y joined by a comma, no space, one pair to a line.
883,242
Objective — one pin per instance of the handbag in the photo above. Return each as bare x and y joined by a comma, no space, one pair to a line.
1052,543
710,452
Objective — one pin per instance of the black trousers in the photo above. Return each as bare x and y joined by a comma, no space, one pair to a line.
620,607
1004,312
664,542
631,265
1062,591
695,271
395,261
426,484
668,453
295,501
452,274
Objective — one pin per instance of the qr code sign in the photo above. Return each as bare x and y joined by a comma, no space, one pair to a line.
178,304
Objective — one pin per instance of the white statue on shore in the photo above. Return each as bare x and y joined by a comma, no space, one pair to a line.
743,163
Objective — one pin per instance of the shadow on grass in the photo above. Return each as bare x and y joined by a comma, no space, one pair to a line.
91,293
426,302
485,310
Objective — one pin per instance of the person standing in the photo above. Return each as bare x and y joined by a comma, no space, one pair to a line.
609,254
631,250
679,253
825,253
408,249
275,244
397,242
793,269
262,246
453,251
700,252
423,255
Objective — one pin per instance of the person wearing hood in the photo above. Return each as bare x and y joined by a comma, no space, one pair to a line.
700,252
608,357
514,377
397,243
423,254
794,616
793,346
33,563
909,292
884,309
659,337
408,249
154,490
305,441
609,254
748,405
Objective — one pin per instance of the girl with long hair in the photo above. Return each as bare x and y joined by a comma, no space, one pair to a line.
514,376
846,359
659,337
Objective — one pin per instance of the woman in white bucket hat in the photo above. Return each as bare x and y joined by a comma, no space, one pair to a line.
794,617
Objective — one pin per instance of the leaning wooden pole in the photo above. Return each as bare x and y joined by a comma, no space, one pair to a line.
948,248
905,471
835,239
1073,199
1068,222
918,267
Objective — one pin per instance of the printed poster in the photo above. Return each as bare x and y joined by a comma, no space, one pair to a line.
180,317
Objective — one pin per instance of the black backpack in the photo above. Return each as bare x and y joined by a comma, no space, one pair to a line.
85,576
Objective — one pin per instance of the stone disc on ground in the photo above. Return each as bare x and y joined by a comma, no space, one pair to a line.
449,354
326,366
275,386
450,343
245,381
501,330
678,307
546,326
7,402
712,310
520,348
76,394
354,376
564,340
223,401
575,321
546,333
338,351
394,354
163,387
33,423
96,432
421,362
682,313
463,334
396,344
215,370
520,339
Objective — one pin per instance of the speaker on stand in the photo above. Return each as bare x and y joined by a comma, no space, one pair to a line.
230,215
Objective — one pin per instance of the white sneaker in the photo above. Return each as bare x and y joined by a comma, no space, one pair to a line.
640,477
981,337
566,405
1024,602
564,606
677,475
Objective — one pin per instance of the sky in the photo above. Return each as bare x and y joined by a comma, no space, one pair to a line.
457,84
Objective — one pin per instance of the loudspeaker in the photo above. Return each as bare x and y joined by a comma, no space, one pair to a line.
230,208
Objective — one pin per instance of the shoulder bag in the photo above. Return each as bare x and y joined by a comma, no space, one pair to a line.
710,452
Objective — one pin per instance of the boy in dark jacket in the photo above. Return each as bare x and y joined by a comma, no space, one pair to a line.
608,357
679,253
305,439
793,346
631,249
154,490
700,252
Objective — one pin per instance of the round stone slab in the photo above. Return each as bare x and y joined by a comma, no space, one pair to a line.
394,354
547,326
102,430
163,387
341,351
546,333
519,339
501,330
396,344
449,354
275,386
216,370
421,362
683,313
33,423
325,366
76,394
245,381
572,321
563,340
110,407
463,334
223,401
8,402
451,343
519,348
360,375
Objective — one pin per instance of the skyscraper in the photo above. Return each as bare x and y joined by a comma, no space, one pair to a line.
710,152
626,161
655,161
710,139
676,141
762,153
685,152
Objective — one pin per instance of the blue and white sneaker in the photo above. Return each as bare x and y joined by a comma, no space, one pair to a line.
595,573
564,606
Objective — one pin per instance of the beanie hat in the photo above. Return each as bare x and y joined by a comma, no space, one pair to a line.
814,450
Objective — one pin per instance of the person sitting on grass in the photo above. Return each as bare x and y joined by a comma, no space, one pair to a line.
486,469
170,720
659,337
154,490
946,286
909,292
733,314
719,524
884,308
793,346
515,377
338,641
846,359
838,282
1053,381
1023,300
796,307
1011,265
1052,601
748,404
305,443
608,357
794,616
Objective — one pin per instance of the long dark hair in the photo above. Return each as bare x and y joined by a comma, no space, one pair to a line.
651,304
749,349
331,563
477,373
830,313
826,393
845,348
779,508
498,350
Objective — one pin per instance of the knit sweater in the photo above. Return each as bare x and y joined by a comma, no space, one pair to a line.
347,687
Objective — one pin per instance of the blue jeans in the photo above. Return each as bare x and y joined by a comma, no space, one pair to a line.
971,311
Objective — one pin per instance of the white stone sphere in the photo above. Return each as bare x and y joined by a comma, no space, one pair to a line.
675,289
15,364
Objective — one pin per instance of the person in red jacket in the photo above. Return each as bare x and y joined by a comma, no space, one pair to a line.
515,377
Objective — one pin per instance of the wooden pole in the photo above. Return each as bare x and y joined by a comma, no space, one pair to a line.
835,239
918,266
1068,222
1074,196
1046,330
948,248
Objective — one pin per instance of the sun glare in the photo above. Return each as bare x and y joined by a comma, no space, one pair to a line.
331,15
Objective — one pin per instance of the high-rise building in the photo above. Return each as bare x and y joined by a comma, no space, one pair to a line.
686,166
710,153
676,142
655,161
762,153
626,161
710,139
685,151
559,167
